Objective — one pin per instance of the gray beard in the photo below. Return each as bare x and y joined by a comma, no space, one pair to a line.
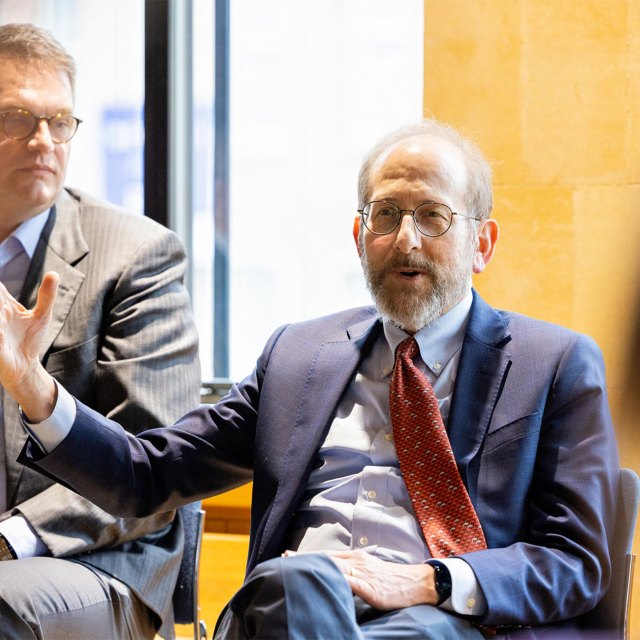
413,309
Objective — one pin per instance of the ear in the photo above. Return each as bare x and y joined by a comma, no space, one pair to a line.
356,234
487,239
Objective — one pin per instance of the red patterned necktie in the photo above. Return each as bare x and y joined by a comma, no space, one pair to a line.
438,495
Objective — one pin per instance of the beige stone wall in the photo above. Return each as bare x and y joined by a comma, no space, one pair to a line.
550,89
551,92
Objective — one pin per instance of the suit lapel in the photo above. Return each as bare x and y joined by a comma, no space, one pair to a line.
484,364
332,369
61,245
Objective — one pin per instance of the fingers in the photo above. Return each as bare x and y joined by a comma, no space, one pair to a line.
354,573
352,564
46,294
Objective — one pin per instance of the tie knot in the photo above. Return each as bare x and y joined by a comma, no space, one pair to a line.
408,347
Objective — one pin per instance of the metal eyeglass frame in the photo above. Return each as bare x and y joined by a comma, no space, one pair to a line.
413,215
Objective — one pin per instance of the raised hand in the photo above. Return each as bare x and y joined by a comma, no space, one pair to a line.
22,335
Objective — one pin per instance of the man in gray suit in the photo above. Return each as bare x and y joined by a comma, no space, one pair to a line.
122,338
341,543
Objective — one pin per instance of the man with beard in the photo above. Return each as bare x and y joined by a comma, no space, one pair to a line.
369,520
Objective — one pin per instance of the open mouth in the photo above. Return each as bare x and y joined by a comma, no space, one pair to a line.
409,273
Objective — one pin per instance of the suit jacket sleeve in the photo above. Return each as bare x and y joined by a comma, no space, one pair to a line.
145,373
209,450
558,467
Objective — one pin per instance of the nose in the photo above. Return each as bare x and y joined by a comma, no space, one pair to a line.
408,238
41,138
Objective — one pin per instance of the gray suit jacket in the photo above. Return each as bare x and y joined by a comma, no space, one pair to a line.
123,340
529,426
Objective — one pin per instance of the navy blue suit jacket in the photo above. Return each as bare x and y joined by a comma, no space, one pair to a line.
529,425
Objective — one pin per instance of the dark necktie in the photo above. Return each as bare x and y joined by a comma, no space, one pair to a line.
438,495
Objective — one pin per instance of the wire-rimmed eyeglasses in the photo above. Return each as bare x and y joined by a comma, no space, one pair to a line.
431,218
20,124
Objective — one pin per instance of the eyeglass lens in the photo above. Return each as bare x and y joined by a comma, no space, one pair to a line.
432,219
21,124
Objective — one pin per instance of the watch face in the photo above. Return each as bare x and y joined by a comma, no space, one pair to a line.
442,580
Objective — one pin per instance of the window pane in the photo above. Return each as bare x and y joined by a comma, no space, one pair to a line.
313,85
203,226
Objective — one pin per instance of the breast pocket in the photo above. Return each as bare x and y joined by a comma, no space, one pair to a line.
512,431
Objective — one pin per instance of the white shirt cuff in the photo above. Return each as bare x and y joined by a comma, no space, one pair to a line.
466,595
23,538
52,431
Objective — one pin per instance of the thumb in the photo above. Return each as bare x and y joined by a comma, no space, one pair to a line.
47,294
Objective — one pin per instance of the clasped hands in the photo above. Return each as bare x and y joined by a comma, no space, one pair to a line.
23,334
384,585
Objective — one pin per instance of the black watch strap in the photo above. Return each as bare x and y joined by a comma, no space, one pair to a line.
442,580
6,550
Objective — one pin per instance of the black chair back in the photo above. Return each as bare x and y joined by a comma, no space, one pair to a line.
613,611
185,595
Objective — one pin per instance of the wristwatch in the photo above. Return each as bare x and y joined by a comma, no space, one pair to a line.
6,550
442,580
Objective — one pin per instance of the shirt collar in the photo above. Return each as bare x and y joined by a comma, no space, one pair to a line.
28,233
439,341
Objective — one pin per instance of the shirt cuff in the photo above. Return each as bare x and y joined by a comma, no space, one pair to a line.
52,431
23,538
467,597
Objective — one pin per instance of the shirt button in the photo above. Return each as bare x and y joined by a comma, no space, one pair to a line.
437,366
388,437
386,371
471,603
371,494
363,541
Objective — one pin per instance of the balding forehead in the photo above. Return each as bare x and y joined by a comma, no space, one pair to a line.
433,160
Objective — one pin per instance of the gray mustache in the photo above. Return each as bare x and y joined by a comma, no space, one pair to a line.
413,262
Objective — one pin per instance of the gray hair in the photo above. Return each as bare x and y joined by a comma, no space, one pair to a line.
479,196
33,45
